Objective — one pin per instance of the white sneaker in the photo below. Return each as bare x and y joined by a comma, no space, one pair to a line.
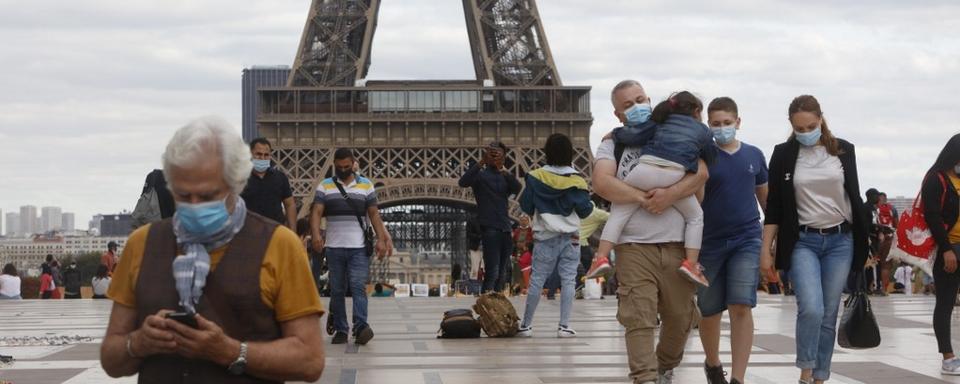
666,377
951,367
525,331
564,332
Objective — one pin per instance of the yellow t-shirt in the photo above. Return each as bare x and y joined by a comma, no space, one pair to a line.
955,231
286,284
590,224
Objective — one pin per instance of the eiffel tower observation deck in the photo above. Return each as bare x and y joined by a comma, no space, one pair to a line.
415,138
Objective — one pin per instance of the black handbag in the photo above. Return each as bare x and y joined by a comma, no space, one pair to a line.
858,327
368,237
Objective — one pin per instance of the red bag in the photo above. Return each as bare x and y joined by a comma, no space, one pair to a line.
915,243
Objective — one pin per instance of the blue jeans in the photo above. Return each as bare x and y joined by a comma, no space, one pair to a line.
344,263
733,268
818,270
557,253
497,248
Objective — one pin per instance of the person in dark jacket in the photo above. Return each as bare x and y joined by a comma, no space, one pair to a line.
941,206
72,279
815,213
492,185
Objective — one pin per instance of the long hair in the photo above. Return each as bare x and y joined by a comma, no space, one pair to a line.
807,103
102,272
683,103
949,156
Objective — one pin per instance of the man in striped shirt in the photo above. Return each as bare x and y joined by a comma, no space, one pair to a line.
349,202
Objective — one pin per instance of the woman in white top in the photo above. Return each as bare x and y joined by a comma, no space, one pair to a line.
9,283
101,282
815,214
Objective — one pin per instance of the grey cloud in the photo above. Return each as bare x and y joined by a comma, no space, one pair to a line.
97,87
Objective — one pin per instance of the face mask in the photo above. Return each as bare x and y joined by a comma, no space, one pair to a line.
203,219
261,165
638,114
725,135
343,174
808,139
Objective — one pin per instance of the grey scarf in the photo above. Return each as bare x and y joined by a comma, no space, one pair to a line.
190,270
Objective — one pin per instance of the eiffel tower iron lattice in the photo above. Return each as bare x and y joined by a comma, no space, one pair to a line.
415,138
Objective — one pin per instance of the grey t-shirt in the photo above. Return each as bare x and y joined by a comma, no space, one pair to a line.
643,227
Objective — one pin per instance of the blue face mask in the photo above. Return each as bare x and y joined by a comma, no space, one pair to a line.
638,114
261,165
725,135
203,219
808,139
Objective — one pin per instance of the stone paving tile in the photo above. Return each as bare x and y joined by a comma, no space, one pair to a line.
406,350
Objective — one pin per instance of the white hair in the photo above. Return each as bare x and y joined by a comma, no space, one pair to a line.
205,136
623,85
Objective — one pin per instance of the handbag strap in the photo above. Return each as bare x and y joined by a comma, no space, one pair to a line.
861,281
917,203
347,199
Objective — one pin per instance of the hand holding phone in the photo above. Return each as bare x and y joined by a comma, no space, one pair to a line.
184,318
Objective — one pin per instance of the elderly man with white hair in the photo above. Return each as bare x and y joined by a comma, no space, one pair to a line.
186,308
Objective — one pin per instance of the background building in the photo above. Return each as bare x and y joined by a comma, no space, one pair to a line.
13,224
27,253
120,224
51,219
254,78
902,204
69,222
1,222
28,220
419,267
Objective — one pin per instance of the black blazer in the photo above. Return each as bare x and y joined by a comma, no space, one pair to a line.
782,202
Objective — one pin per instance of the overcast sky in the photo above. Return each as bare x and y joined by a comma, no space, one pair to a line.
90,91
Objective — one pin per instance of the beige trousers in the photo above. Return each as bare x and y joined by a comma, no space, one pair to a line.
649,283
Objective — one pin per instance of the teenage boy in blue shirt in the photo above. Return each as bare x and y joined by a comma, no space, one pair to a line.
731,241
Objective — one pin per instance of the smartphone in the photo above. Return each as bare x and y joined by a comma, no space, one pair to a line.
184,318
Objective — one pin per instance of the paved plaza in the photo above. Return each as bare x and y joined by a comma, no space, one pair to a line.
406,350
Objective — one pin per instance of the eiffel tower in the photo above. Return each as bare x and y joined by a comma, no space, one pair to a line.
415,138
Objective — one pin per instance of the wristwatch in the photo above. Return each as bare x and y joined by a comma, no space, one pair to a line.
238,366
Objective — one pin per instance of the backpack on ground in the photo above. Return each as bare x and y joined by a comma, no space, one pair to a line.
498,318
459,324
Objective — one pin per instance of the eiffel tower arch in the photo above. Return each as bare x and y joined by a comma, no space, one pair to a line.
415,138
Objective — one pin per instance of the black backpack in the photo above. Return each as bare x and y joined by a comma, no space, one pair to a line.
459,324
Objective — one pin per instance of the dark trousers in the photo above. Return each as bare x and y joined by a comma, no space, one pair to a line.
71,295
553,283
586,258
946,285
497,248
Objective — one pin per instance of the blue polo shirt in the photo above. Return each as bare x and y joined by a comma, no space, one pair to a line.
730,204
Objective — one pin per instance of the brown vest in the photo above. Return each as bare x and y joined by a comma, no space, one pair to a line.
231,299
